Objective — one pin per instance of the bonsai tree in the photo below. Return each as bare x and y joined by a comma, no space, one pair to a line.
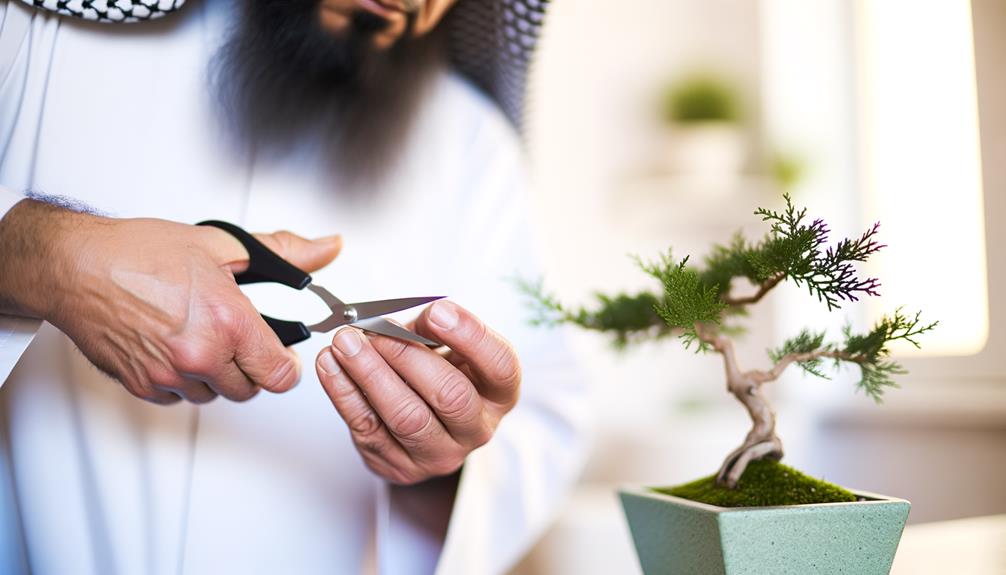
702,305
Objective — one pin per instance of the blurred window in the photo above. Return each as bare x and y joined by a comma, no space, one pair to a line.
920,164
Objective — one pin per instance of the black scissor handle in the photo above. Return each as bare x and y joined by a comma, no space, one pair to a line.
265,265
288,332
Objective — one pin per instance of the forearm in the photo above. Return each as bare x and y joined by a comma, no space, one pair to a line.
35,238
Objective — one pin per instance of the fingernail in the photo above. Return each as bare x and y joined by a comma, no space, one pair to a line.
348,341
444,314
329,239
328,364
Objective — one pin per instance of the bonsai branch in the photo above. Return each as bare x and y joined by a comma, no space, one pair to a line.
754,298
790,358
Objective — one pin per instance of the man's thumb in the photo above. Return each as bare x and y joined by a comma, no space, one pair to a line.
308,255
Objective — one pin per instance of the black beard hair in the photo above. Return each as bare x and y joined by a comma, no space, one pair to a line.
281,80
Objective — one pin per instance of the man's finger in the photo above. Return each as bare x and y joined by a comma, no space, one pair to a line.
154,394
405,414
379,449
232,383
261,357
450,393
308,255
486,352
191,390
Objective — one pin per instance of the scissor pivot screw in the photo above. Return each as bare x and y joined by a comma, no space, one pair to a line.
349,314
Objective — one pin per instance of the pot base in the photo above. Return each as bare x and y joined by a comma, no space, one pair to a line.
677,536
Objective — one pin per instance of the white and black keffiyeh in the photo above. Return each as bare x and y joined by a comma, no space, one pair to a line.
491,41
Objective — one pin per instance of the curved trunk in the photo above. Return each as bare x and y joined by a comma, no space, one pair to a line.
761,442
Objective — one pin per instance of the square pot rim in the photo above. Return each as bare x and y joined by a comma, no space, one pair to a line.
649,493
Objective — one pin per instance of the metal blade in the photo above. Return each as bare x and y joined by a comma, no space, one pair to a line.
382,326
335,304
369,309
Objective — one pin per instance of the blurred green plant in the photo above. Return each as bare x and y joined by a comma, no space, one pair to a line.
700,97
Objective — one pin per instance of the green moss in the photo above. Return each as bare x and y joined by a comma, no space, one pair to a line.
764,483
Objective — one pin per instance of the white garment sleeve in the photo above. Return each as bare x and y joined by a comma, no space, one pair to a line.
7,200
511,488
15,332
20,109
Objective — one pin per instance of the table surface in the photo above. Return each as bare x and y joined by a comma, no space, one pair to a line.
975,546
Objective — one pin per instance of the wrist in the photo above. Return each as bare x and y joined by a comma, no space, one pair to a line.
42,245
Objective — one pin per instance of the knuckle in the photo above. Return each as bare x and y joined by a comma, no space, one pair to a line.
342,390
506,370
503,360
455,395
391,350
193,356
161,377
411,421
370,368
370,444
228,316
284,237
282,376
365,426
481,334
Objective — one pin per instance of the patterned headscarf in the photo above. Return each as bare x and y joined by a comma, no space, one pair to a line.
491,41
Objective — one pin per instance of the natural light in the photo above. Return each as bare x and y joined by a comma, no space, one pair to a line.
921,165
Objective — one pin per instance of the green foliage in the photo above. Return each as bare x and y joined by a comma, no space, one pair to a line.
794,250
701,98
687,299
734,260
870,350
764,483
627,317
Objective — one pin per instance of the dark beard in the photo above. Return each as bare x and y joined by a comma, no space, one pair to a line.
282,81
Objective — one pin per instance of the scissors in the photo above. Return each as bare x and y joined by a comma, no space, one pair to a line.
265,265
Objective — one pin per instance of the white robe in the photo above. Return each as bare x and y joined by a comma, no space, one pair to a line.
93,480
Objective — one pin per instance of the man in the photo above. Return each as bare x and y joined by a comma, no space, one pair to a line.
319,117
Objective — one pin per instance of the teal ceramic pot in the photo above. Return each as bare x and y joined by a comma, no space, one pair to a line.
676,536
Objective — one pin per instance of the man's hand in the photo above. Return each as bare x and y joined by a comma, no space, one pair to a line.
152,303
413,413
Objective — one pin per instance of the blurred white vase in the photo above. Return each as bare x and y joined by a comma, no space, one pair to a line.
709,153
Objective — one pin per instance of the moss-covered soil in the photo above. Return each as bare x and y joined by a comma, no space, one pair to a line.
764,483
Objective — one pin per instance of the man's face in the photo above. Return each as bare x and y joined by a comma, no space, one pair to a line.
337,16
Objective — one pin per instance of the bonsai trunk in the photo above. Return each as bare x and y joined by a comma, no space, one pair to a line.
761,442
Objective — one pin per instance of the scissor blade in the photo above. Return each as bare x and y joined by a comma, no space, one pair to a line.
369,309
335,304
384,327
